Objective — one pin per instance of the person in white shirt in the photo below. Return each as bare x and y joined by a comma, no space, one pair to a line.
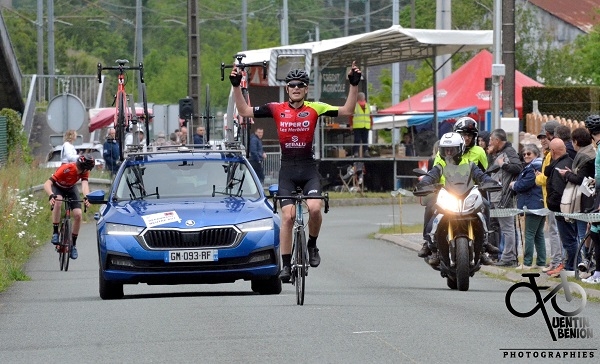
68,153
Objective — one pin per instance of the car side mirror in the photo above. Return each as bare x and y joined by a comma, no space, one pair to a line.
97,197
273,189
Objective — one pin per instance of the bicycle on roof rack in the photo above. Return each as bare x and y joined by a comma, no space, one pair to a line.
243,124
125,118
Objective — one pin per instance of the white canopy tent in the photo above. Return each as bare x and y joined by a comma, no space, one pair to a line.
385,46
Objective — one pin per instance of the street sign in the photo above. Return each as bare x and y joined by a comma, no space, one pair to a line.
65,112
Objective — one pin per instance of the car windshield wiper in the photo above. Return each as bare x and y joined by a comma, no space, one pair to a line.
150,195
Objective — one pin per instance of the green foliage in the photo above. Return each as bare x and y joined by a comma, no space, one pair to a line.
18,148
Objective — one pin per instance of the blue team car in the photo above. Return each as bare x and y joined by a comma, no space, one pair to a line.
185,217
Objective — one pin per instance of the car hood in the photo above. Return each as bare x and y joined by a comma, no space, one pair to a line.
187,214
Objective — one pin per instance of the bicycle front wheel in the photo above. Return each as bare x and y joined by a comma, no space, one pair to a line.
301,263
63,248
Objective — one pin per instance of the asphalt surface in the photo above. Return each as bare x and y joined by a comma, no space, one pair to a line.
370,301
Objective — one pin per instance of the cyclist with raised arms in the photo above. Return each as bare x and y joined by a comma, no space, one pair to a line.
62,185
296,121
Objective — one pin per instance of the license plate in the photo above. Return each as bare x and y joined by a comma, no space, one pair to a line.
176,256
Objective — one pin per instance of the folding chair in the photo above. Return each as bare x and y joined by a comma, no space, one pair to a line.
345,178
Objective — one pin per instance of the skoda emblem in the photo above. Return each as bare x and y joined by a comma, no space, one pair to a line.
190,223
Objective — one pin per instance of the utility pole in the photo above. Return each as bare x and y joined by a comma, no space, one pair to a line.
51,66
497,67
193,62
508,58
139,47
346,17
244,25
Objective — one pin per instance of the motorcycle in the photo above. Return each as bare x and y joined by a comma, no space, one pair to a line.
459,224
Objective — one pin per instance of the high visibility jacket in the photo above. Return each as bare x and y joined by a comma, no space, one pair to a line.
475,154
361,118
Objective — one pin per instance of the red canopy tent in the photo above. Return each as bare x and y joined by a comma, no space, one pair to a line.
464,87
103,117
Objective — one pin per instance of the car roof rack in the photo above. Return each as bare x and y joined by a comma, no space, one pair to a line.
188,148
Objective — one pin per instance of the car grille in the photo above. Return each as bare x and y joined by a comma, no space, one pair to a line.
182,239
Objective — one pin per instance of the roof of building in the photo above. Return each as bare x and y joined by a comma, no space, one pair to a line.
582,14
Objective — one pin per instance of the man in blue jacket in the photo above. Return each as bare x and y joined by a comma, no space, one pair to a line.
111,152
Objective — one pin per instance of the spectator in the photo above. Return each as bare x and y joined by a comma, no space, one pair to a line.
555,185
111,152
529,194
174,138
505,157
199,136
563,132
183,135
408,144
361,122
68,153
160,139
555,245
583,166
257,154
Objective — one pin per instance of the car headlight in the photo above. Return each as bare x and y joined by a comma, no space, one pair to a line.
119,229
257,225
447,201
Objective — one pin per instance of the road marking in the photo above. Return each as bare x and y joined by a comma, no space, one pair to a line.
364,332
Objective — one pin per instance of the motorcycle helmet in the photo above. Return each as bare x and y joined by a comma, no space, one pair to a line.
467,125
86,162
297,74
452,147
592,123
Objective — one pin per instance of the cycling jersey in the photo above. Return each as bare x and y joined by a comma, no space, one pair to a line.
295,127
66,176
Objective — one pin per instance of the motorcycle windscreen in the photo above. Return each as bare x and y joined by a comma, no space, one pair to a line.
459,179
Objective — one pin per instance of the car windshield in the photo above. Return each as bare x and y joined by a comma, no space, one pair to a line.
55,154
185,179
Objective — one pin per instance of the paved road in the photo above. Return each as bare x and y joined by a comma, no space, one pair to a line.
371,301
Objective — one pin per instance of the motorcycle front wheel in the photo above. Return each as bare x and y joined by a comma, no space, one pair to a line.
462,264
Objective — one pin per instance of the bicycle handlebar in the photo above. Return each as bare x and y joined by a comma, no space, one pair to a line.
299,198
69,200
121,67
243,66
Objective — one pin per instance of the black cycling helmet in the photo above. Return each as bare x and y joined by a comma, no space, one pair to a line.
466,125
86,162
592,123
297,74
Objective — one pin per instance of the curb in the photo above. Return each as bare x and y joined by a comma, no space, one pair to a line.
413,242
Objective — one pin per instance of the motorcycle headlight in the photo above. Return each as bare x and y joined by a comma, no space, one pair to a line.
470,202
448,202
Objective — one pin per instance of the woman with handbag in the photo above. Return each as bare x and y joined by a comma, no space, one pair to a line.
583,166
530,195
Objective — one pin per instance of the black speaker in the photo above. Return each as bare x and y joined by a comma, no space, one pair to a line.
186,108
488,84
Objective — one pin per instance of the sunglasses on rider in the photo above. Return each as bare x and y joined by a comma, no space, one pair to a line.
296,85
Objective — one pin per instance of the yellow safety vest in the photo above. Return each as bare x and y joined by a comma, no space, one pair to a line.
362,119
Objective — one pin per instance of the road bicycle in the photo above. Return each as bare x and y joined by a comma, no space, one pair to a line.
299,247
243,125
65,244
558,303
123,117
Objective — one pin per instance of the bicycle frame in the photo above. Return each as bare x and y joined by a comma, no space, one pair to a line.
244,124
123,117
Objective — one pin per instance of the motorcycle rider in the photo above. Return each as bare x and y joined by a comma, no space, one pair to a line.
467,128
452,150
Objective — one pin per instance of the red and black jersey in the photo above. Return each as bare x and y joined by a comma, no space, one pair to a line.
66,176
295,127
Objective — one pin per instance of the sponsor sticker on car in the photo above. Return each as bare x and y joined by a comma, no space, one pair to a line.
161,218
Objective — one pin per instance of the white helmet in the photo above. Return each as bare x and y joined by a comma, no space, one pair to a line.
452,145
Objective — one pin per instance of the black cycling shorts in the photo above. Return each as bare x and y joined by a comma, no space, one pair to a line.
302,174
72,193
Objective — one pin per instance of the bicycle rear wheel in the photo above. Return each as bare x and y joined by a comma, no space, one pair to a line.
121,125
301,263
585,256
63,248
